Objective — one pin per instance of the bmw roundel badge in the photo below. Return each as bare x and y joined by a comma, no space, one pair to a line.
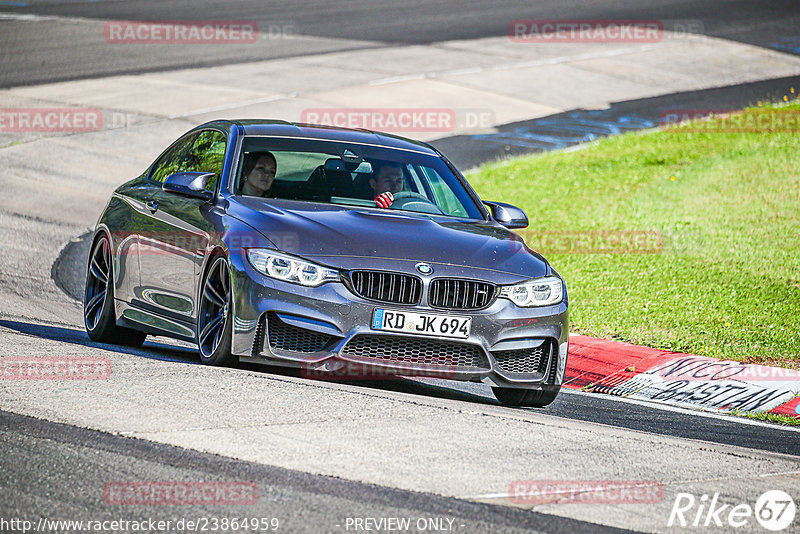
424,268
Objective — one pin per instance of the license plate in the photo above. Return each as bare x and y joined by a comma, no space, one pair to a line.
424,324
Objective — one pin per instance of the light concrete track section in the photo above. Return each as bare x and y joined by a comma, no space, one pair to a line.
55,185
73,468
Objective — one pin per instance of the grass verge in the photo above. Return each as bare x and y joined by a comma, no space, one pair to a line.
685,239
780,419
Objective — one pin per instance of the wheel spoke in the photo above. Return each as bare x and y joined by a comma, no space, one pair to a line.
210,328
92,304
214,301
223,271
211,294
217,337
97,271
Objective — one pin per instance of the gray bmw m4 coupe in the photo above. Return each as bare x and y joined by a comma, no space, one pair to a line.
346,253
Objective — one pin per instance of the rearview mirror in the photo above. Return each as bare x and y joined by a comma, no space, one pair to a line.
190,184
507,215
360,167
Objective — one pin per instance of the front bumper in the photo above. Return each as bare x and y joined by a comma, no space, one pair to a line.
326,331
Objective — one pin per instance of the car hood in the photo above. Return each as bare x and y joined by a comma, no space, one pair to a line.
335,235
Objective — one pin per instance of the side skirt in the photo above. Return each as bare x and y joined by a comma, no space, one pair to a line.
137,318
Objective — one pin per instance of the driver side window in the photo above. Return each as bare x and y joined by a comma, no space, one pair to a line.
206,155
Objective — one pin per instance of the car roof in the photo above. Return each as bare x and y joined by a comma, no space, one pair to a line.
273,127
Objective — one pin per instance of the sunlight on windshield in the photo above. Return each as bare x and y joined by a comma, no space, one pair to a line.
350,174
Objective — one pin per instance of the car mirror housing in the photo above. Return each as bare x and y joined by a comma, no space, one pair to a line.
507,215
190,184
360,167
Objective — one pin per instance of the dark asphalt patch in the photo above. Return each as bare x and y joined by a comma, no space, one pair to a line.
580,126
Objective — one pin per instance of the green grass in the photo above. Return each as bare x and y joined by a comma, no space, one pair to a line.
725,281
780,419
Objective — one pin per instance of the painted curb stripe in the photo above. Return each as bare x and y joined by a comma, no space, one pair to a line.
624,369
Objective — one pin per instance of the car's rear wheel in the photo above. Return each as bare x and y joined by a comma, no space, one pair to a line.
214,319
98,301
536,398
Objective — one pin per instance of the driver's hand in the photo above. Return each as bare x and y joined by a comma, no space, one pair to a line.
384,200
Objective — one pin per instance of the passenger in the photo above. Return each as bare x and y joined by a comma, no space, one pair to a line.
388,179
259,169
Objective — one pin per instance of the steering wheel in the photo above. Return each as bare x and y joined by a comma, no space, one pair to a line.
410,201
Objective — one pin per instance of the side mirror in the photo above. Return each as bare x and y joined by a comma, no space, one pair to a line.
190,184
507,215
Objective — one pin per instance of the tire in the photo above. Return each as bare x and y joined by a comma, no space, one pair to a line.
535,398
215,317
98,300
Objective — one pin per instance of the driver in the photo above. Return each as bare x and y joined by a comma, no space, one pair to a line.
388,179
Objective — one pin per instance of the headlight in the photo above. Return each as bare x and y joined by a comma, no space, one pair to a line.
542,292
290,269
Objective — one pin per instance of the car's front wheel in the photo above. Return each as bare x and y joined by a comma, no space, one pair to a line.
98,300
214,320
536,398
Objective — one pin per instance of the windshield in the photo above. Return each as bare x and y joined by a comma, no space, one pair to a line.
336,172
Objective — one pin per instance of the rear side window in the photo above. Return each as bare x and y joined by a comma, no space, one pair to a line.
206,155
171,161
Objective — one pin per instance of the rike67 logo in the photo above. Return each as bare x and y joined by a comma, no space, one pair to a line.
774,510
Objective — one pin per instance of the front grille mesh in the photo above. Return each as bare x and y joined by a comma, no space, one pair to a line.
524,361
387,287
290,338
415,351
457,294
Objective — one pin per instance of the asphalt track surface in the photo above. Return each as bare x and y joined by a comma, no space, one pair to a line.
74,48
313,503
74,465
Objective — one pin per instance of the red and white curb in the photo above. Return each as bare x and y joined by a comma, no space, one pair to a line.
684,380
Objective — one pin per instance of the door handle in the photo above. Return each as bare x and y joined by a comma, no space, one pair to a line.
152,205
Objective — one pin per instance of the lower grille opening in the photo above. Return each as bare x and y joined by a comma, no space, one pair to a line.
286,337
415,351
524,361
